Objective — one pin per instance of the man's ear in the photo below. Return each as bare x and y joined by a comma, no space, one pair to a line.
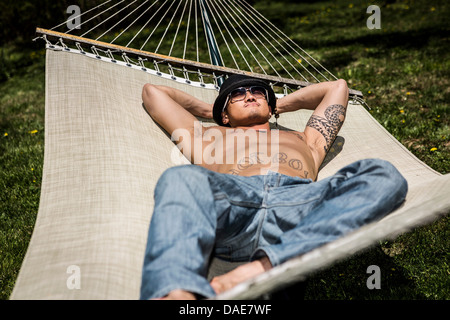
225,118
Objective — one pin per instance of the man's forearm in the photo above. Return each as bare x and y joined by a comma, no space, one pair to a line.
189,102
305,98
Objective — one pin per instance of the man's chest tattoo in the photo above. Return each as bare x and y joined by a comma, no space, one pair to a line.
259,158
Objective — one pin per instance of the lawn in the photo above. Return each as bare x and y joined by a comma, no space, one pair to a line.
403,71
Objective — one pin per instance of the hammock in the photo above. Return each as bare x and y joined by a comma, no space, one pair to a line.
104,154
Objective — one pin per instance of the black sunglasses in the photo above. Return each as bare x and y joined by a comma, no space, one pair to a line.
240,94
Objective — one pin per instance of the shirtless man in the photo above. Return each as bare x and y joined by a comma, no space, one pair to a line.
262,204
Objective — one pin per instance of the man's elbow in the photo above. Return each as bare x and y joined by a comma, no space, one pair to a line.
148,90
341,84
145,90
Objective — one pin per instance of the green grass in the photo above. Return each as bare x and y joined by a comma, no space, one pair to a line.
403,70
21,158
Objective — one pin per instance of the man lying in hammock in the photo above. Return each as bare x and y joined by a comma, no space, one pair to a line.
252,195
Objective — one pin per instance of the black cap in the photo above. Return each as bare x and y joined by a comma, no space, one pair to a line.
234,82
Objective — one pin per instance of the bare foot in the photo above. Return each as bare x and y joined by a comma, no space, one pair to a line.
240,274
179,295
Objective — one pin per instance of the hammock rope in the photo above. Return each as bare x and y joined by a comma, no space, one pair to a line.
247,40
242,31
80,15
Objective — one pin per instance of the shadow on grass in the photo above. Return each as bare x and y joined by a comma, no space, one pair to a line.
347,280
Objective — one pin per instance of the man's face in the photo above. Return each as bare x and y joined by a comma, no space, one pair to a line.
246,106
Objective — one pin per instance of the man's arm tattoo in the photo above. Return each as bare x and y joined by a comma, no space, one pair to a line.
330,125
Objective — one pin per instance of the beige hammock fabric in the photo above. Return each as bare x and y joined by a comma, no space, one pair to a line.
103,156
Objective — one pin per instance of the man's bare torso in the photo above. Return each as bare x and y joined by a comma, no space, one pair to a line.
248,147
248,152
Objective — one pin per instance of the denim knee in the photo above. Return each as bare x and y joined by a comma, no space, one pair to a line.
393,182
396,183
387,169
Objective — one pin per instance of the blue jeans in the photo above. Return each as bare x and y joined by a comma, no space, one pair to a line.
199,213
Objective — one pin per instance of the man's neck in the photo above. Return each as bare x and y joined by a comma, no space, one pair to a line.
263,126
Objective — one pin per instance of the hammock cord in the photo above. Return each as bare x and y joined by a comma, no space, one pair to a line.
159,22
110,17
225,40
209,34
196,31
142,28
239,34
243,35
259,39
234,41
80,15
128,15
290,41
168,25
95,17
178,28
187,30
259,29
